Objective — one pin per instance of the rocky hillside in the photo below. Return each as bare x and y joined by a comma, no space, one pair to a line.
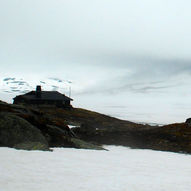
92,130
101,129
29,128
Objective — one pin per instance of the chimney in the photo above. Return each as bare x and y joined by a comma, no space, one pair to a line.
38,91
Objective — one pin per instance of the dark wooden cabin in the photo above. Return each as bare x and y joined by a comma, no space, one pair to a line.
40,97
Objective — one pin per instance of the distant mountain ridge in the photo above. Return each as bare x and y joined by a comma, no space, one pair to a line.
21,86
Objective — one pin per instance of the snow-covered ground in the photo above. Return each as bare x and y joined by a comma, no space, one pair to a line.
120,169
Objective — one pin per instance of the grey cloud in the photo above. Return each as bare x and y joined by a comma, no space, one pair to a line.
147,65
137,68
144,88
76,32
149,87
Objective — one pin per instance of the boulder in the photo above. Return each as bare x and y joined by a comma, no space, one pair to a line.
57,131
188,122
57,137
64,138
80,144
32,146
15,130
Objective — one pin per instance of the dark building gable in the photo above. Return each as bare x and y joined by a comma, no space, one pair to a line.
43,97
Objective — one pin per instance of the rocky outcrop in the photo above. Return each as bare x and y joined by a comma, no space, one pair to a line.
23,123
30,128
80,144
14,130
32,146
59,137
188,122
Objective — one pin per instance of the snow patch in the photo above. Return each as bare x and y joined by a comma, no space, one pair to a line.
72,126
120,169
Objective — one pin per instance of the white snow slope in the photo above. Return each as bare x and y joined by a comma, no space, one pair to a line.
120,169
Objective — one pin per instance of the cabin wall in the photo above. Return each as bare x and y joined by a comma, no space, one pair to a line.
57,103
19,101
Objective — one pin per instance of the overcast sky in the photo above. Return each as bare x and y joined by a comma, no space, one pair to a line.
126,58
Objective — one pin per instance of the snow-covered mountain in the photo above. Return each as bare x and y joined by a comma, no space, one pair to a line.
21,86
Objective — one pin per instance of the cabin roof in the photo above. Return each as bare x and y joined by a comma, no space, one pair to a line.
45,95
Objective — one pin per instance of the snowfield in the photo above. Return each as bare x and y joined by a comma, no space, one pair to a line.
120,169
